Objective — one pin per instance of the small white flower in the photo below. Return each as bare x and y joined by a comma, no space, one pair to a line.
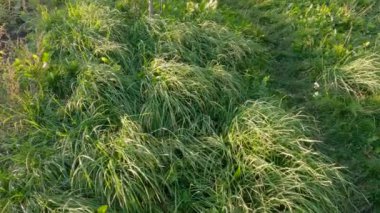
45,65
316,94
212,4
316,85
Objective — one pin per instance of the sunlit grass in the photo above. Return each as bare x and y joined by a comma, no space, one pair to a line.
155,114
182,96
276,160
359,77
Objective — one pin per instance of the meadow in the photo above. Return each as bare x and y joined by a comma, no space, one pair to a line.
195,106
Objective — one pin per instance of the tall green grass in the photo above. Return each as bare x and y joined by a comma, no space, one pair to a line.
148,115
180,96
358,77
275,158
324,61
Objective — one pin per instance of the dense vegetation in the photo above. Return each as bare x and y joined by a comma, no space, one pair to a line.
207,106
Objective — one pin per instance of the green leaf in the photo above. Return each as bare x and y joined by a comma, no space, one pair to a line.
237,173
45,57
105,60
102,209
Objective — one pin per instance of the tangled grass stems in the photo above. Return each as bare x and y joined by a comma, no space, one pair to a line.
185,96
204,43
82,29
276,161
121,170
145,122
102,84
359,77
261,165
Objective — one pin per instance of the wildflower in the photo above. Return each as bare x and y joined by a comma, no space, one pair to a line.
316,94
316,85
45,65
212,4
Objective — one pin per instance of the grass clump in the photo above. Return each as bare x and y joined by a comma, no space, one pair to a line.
146,114
205,43
82,29
275,159
123,170
104,86
359,77
186,96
